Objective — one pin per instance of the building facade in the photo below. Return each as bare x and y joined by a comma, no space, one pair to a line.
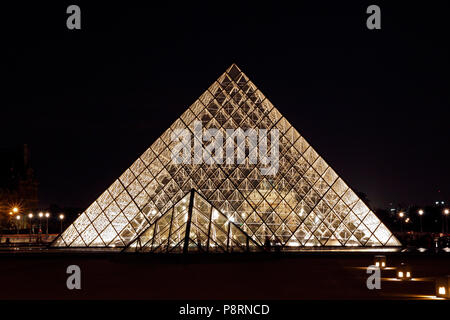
18,184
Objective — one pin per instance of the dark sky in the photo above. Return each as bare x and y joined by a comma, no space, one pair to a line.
374,104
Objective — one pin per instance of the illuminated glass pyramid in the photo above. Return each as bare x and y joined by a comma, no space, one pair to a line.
302,203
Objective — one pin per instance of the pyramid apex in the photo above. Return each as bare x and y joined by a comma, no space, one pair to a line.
233,65
234,71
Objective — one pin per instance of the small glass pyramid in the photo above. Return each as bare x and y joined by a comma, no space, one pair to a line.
193,225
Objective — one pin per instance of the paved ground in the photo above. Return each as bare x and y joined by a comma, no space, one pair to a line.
257,276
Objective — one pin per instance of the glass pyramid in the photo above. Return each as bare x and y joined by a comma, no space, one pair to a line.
303,203
193,224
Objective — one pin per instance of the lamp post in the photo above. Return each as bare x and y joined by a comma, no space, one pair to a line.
420,217
446,213
61,218
17,225
401,215
40,219
47,215
40,226
30,221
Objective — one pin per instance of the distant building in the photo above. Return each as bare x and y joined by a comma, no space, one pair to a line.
18,185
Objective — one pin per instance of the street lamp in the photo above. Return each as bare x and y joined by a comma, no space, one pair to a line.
420,217
446,213
40,217
61,218
30,221
15,209
401,215
18,220
40,225
47,215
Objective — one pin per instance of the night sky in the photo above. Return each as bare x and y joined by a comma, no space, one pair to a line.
373,103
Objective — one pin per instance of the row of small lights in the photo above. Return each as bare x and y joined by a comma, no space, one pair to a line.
441,290
421,212
404,273
30,215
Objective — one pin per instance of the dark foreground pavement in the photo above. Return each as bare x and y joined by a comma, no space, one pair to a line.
232,276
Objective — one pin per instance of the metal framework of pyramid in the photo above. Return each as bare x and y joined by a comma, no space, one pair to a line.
305,203
193,225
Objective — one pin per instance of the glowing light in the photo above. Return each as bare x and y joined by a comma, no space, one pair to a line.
408,274
441,290
383,264
30,215
420,212
15,209
446,211
61,217
18,217
41,214
47,215
377,264
153,211
400,274
401,214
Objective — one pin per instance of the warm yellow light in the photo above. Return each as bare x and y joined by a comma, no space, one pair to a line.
441,290
47,215
18,217
446,211
10,213
420,212
15,209
377,264
401,214
41,214
400,274
383,264
408,274
30,215
61,216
